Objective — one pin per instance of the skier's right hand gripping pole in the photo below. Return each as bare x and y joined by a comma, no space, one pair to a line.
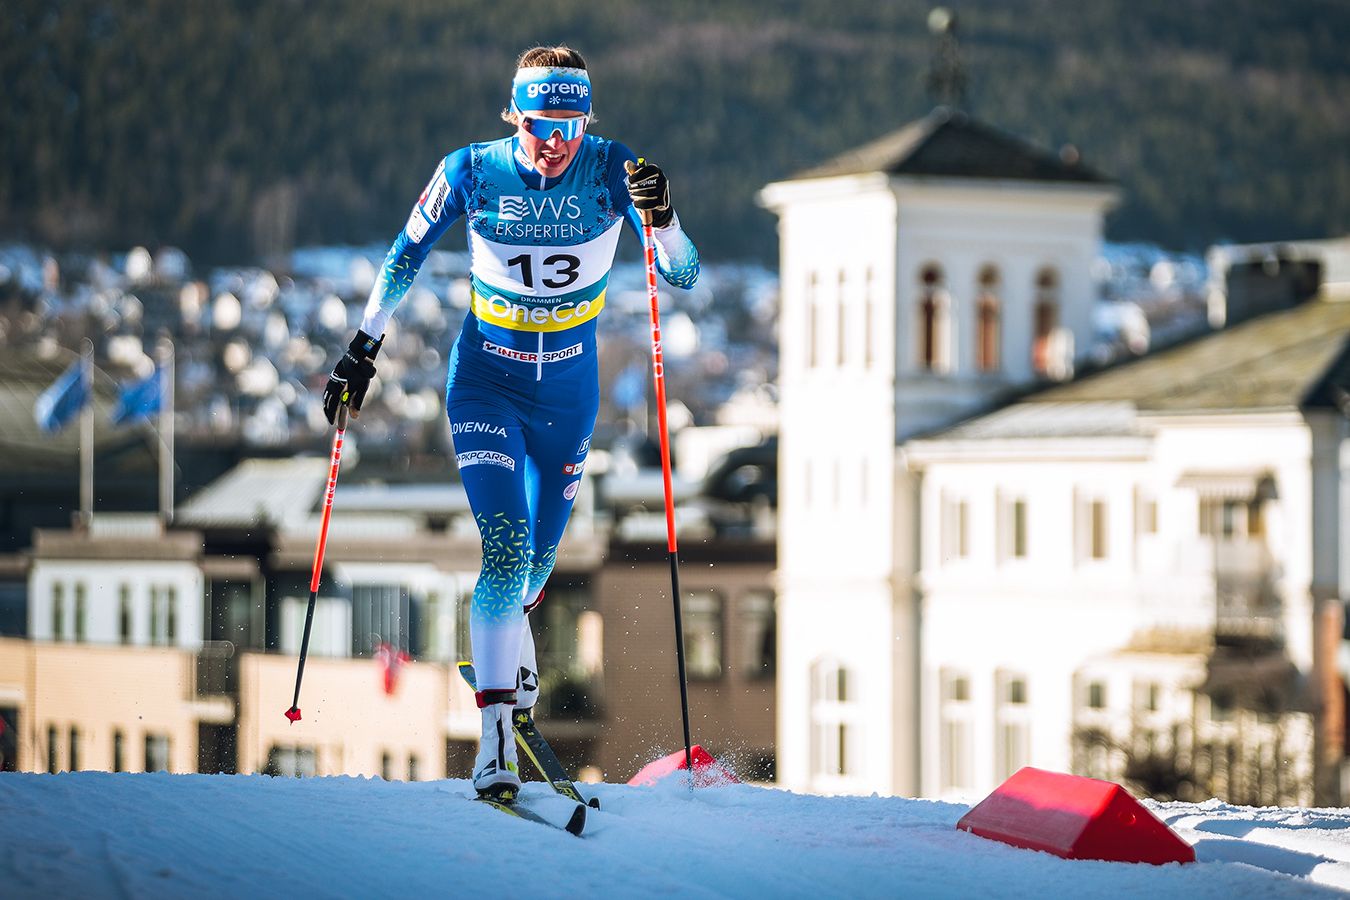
351,376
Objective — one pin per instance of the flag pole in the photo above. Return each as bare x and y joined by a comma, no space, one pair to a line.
166,378
87,435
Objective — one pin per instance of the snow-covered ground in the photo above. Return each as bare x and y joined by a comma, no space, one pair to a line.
100,835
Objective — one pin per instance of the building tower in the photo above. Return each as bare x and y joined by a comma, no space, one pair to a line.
924,276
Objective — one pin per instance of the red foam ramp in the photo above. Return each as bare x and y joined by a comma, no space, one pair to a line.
1076,818
707,771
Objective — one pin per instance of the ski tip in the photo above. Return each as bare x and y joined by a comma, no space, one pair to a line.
577,823
593,803
466,672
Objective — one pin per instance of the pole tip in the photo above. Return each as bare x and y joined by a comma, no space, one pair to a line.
293,714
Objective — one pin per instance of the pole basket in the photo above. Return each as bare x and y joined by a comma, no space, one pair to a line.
708,772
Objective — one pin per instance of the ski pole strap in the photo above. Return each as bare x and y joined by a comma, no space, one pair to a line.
495,695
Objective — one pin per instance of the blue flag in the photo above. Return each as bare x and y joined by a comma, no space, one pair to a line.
62,402
140,399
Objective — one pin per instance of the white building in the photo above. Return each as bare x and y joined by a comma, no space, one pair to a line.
1135,575
923,276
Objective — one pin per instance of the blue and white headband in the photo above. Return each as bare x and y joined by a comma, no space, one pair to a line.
551,87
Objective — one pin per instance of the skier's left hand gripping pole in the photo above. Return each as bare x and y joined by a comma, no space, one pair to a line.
294,712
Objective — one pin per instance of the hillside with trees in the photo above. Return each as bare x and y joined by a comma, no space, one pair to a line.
239,130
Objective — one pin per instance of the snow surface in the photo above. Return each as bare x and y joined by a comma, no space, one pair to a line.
92,834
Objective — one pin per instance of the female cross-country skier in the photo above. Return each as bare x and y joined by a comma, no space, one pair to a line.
544,209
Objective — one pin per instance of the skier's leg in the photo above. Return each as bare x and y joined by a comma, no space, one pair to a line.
490,449
556,444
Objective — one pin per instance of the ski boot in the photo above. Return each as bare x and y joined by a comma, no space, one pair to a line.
496,771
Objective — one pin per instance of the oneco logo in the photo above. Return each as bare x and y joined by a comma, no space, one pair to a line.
503,311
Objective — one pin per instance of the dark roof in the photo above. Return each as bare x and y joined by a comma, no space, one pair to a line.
1283,360
952,144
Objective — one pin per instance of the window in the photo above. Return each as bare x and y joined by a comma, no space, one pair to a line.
58,611
1012,726
933,320
380,613
53,748
157,623
956,751
171,614
1230,517
869,327
124,614
463,606
1145,513
758,638
1013,528
291,762
330,632
987,321
812,320
119,752
1045,323
413,767
841,336
1099,529
702,614
1096,695
1091,528
157,753
74,748
834,730
81,612
1147,696
955,528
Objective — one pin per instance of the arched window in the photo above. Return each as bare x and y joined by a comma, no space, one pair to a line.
988,317
1046,321
933,321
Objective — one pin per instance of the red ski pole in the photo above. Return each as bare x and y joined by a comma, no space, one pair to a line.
294,712
659,375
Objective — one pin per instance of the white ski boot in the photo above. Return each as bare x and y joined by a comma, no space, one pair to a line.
496,771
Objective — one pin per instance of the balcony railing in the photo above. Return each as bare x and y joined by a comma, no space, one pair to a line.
1228,584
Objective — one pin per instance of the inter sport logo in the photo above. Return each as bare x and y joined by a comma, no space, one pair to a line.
511,208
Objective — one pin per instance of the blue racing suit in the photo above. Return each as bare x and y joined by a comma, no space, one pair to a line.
523,387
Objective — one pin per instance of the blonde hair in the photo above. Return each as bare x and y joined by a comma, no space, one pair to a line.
561,56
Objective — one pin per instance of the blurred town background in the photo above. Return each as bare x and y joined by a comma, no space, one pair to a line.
1007,413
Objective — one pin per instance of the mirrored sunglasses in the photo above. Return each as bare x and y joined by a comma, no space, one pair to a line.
545,128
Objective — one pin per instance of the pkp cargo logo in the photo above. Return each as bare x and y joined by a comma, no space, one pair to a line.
512,209
485,457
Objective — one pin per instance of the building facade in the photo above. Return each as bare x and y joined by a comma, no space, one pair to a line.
174,649
924,276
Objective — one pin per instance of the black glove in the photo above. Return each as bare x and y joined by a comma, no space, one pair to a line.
650,190
351,376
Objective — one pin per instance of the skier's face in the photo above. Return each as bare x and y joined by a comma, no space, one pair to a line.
552,155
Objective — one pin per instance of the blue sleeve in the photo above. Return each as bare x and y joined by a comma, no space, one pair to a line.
444,200
676,255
